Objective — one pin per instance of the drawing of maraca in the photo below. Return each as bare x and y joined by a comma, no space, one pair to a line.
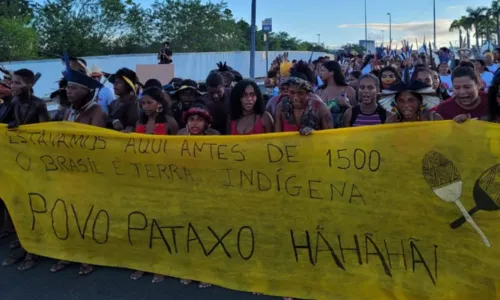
444,179
486,194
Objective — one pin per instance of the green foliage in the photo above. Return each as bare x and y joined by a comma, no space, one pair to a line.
354,47
102,27
18,40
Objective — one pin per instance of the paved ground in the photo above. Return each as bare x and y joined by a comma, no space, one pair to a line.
104,283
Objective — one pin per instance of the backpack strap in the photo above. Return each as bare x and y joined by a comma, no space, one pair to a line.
355,112
382,113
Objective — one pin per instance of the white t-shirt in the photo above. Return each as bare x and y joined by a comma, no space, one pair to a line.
487,77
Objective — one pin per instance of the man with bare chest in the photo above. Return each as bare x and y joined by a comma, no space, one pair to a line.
28,109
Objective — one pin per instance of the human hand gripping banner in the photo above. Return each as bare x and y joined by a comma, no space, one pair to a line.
406,211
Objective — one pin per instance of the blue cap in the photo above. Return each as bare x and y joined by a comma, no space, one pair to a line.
78,77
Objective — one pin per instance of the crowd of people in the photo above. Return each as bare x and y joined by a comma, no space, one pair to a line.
346,90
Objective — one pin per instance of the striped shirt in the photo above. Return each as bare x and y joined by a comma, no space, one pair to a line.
361,119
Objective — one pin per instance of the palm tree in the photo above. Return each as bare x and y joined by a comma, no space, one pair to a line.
495,13
476,15
467,26
456,25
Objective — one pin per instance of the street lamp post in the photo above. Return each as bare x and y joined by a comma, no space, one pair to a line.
366,29
390,28
252,40
434,3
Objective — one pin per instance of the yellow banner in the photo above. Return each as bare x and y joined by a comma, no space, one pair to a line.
385,212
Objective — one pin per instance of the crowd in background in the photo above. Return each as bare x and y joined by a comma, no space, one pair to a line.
343,90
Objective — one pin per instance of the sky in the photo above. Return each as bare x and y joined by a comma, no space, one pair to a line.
339,21
342,21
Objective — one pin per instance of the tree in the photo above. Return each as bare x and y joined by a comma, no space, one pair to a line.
456,25
467,26
20,9
81,27
18,40
476,15
192,26
354,47
495,12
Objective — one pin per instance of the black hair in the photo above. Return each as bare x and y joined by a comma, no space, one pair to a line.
301,67
214,79
419,70
483,64
294,61
27,76
153,83
443,63
373,77
497,49
393,70
464,72
236,95
272,74
156,94
125,72
467,64
166,43
355,74
418,66
493,106
417,95
338,75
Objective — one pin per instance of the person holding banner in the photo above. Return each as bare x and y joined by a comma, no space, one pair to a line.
247,110
367,112
410,102
124,111
467,101
28,109
198,121
153,118
82,93
302,110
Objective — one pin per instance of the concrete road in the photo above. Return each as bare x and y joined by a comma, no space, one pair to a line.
105,283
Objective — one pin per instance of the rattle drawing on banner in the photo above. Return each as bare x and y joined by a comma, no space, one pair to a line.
443,177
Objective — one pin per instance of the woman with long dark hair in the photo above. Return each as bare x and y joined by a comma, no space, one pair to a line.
153,118
247,110
335,93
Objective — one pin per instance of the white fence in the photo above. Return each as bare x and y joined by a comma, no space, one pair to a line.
187,65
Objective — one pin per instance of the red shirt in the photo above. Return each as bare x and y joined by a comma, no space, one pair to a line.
449,109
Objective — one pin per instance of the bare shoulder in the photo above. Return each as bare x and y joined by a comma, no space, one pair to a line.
183,131
267,116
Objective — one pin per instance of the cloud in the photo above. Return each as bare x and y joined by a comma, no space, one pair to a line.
411,31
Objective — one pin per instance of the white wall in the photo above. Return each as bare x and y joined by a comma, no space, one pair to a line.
194,66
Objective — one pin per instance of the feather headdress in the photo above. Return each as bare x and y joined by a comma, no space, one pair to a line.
429,97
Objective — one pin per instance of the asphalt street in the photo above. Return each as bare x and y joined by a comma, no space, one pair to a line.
104,283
